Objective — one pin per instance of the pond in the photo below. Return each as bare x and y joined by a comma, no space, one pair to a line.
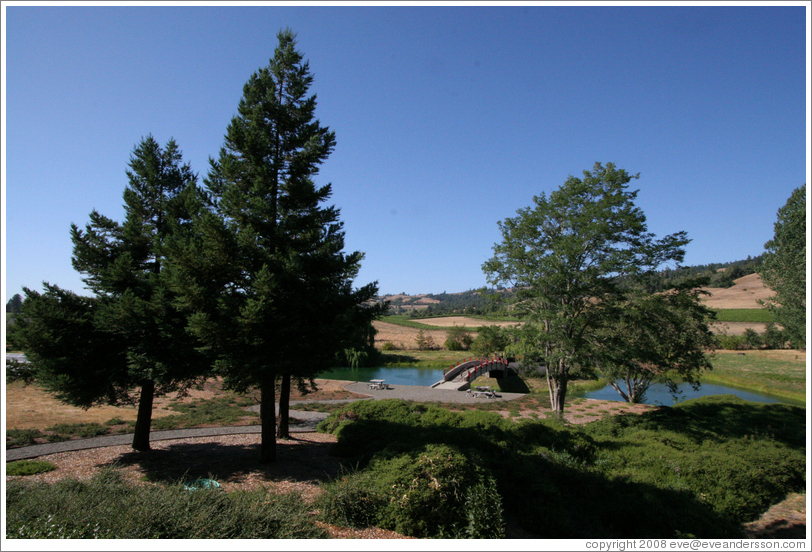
425,377
658,394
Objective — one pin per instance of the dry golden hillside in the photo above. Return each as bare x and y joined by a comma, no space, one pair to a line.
745,294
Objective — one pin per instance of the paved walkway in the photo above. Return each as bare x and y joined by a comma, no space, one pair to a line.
302,420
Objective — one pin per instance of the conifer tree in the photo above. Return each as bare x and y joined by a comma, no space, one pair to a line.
264,276
139,337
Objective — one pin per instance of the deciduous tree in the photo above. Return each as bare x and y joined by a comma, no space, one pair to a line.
660,338
567,254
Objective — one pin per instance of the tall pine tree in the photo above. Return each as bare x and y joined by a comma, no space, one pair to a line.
264,276
123,264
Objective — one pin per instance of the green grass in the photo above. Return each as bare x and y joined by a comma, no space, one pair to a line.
760,371
763,316
219,410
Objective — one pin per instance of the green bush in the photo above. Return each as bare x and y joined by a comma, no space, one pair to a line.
731,342
434,492
84,430
458,339
702,467
22,437
774,337
28,467
751,339
350,502
107,507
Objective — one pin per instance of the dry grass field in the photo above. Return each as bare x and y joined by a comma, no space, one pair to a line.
29,407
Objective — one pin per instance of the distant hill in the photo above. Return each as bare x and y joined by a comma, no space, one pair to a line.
732,285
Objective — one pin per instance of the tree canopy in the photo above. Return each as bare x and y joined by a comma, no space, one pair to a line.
263,275
656,338
131,319
784,267
567,254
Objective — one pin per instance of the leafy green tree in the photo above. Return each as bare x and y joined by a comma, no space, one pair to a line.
264,276
491,340
567,255
458,338
663,338
784,268
123,264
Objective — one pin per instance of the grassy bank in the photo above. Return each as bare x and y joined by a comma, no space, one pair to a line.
781,373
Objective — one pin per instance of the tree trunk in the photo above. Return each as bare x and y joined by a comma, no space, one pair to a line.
144,419
283,431
558,388
267,417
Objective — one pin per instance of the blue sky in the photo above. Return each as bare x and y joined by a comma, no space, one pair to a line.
448,119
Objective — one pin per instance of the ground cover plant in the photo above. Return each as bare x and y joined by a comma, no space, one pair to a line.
701,468
28,467
105,506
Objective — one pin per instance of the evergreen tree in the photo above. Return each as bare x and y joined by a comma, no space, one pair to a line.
15,304
784,267
264,276
132,318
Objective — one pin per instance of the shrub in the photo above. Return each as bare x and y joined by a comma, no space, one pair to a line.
350,502
85,430
389,346
730,342
458,339
28,467
425,342
751,339
436,491
774,337
107,507
22,437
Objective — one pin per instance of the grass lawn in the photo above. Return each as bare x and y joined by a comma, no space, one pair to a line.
776,372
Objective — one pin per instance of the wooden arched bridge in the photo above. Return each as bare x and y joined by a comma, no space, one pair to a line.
460,376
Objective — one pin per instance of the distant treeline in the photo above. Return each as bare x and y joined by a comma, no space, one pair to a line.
494,301
720,275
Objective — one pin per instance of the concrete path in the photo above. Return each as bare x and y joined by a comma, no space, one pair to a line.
305,421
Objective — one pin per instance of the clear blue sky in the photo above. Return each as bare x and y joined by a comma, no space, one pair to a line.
448,119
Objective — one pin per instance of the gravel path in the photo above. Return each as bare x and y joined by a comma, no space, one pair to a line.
305,421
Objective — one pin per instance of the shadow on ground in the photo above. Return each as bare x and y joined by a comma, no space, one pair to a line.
297,461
